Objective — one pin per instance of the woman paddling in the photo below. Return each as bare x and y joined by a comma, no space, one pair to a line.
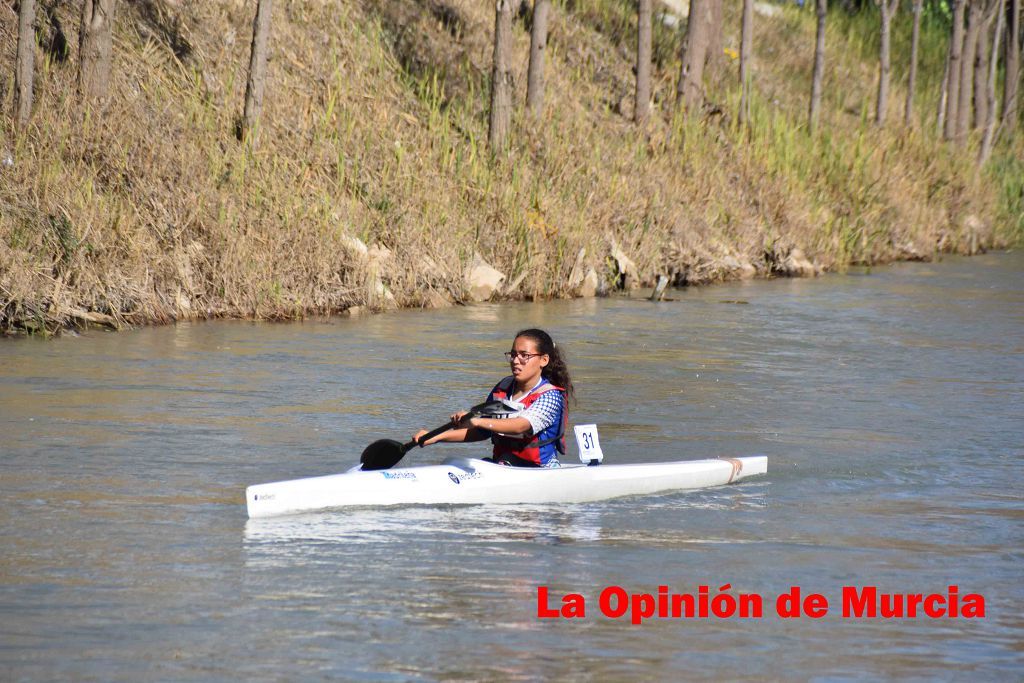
540,384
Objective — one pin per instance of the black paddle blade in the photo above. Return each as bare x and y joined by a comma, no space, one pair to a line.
382,455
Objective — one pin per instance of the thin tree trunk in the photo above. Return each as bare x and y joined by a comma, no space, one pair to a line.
501,77
716,47
690,89
746,56
538,46
821,9
964,109
981,67
257,82
956,47
26,61
989,139
915,41
95,45
1012,87
940,120
642,106
888,9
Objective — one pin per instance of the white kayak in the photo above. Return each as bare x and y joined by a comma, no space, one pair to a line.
461,480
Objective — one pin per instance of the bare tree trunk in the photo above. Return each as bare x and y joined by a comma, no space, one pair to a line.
1012,88
940,120
26,61
964,109
821,9
538,46
501,77
915,41
95,48
746,55
716,46
690,89
256,84
956,47
989,139
642,106
888,9
981,66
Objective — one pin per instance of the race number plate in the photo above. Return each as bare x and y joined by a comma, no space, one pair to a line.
589,444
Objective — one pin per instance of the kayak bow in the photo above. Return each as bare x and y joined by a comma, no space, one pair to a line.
462,480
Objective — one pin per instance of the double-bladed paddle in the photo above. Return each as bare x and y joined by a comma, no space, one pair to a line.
385,454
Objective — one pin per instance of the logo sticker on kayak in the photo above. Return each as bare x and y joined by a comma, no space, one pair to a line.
399,475
454,477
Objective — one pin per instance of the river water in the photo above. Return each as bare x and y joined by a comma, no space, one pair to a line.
890,405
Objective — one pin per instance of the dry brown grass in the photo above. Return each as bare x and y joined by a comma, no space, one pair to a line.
374,128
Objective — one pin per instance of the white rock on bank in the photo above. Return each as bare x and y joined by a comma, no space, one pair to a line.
626,268
377,293
766,10
435,299
588,288
797,263
744,269
355,245
482,279
576,274
677,10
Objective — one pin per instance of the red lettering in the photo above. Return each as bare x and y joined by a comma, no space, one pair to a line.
751,606
702,601
914,601
787,605
543,611
723,604
859,604
683,605
645,603
573,606
621,602
662,601
892,606
974,606
935,606
815,606
953,602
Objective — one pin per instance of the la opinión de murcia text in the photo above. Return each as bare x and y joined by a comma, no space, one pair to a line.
856,602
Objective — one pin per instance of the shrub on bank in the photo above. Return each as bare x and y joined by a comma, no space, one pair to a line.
372,184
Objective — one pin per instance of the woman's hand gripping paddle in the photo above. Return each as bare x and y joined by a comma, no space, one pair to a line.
385,454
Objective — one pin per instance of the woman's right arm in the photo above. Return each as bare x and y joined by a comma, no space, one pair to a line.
456,435
465,433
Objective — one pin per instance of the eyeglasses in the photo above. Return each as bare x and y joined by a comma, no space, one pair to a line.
521,355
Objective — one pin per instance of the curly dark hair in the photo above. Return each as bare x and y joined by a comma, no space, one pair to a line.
556,371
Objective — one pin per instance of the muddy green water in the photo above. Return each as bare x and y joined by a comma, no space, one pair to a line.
890,405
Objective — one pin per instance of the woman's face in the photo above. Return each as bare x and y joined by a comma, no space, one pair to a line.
526,362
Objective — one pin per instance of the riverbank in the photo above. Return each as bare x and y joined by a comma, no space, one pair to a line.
372,187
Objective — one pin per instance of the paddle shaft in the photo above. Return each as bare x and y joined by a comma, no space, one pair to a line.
426,437
385,454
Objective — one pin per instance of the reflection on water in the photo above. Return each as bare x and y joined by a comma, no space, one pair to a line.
497,523
888,404
553,524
